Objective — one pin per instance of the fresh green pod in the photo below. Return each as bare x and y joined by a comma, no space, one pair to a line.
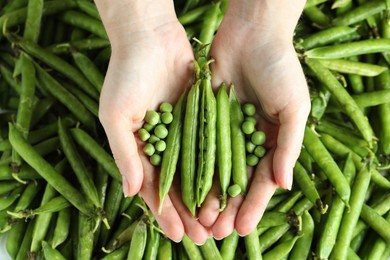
210,250
152,244
239,171
224,147
188,150
138,241
51,253
229,246
207,138
171,153
85,237
62,227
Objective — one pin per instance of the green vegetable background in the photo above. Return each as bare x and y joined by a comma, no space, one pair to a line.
60,190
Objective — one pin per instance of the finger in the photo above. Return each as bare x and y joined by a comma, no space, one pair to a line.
260,192
225,223
125,152
209,211
168,219
289,142
194,230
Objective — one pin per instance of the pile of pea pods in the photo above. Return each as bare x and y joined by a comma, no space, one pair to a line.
60,189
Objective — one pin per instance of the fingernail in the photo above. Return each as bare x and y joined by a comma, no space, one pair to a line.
288,181
125,186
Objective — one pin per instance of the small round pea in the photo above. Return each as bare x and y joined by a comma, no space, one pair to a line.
259,151
249,109
161,131
143,134
149,149
166,107
234,190
167,117
153,139
148,127
248,127
251,119
160,146
155,159
250,147
252,160
258,138
152,117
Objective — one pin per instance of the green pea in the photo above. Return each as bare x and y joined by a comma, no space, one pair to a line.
148,127
155,159
234,190
258,138
259,151
153,139
166,107
250,147
161,131
248,127
152,117
249,109
160,146
166,117
251,119
143,134
149,149
252,160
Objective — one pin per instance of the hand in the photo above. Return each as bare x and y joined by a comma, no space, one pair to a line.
147,66
263,66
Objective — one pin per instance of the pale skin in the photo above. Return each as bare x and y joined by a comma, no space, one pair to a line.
151,62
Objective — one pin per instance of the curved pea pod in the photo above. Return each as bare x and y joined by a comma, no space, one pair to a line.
62,226
210,250
189,145
281,250
327,36
326,162
172,151
207,140
349,49
51,253
152,244
138,241
302,247
343,97
36,161
353,67
224,146
239,170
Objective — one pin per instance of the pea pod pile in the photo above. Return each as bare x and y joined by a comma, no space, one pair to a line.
60,190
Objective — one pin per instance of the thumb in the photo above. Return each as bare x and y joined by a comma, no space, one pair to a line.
125,151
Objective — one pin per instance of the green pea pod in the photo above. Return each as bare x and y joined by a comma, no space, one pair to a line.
152,245
138,241
326,162
165,249
189,145
62,226
302,247
36,161
281,250
351,217
252,246
210,250
85,237
207,138
343,97
51,253
224,142
15,237
83,175
118,254
172,151
239,170
192,250
229,246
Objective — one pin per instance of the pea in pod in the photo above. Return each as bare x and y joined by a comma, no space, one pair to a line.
207,138
172,151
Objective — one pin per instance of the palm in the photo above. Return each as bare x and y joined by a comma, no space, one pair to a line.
152,68
267,74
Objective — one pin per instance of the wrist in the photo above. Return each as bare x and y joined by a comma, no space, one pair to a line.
271,18
121,18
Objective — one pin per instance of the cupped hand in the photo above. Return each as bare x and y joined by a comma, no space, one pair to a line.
150,67
265,71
